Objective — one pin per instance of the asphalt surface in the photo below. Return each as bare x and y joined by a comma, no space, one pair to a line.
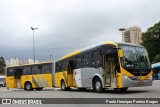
139,92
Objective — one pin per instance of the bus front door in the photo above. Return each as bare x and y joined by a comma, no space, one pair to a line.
109,70
70,74
17,76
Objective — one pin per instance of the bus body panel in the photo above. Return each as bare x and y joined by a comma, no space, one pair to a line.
127,81
111,54
10,82
86,75
40,77
37,81
60,76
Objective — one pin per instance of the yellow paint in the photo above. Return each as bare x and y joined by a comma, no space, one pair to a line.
68,78
108,42
71,54
12,83
120,53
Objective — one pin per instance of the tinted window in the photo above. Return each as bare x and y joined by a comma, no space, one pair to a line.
64,65
96,54
36,70
96,58
27,71
87,59
10,72
58,66
45,69
78,64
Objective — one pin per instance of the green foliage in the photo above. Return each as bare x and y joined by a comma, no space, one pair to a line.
157,58
151,41
2,65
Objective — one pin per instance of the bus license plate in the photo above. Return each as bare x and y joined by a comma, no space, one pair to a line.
140,83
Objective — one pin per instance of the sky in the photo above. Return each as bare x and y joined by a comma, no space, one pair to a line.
65,26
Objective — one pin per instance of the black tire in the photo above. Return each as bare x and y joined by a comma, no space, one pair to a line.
97,86
28,86
82,89
38,88
63,86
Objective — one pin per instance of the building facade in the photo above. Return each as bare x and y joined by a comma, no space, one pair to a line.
132,35
15,61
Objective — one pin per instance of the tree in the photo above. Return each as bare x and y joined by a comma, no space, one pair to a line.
151,41
157,58
2,65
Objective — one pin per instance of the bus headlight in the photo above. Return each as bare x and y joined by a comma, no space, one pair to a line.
150,78
125,76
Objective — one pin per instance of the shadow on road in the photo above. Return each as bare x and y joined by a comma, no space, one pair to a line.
108,91
132,91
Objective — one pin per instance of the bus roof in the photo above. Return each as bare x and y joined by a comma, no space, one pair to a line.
156,65
2,76
130,44
30,64
96,45
84,49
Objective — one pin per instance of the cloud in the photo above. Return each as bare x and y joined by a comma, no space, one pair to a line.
68,25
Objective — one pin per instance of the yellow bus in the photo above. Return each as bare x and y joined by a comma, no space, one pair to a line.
30,76
104,65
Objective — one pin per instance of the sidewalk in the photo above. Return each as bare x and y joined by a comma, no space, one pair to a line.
3,89
156,82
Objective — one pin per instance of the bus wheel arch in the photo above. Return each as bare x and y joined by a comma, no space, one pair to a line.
97,84
28,86
64,86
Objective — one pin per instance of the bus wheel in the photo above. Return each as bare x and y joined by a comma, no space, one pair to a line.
97,85
28,86
63,86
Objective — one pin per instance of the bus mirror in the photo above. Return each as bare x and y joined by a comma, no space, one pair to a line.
120,53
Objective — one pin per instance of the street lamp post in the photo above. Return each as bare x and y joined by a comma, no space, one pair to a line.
33,43
50,57
121,29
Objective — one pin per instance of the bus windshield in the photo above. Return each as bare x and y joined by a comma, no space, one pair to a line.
135,57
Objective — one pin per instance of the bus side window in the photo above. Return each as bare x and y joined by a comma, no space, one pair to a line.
87,58
95,58
45,69
64,65
35,70
58,67
82,61
10,72
27,71
78,62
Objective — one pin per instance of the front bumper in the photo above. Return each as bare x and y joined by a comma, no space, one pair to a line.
127,82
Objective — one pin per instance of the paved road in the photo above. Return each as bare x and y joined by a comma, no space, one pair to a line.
140,92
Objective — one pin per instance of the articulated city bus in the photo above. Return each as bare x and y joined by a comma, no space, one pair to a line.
30,76
104,65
